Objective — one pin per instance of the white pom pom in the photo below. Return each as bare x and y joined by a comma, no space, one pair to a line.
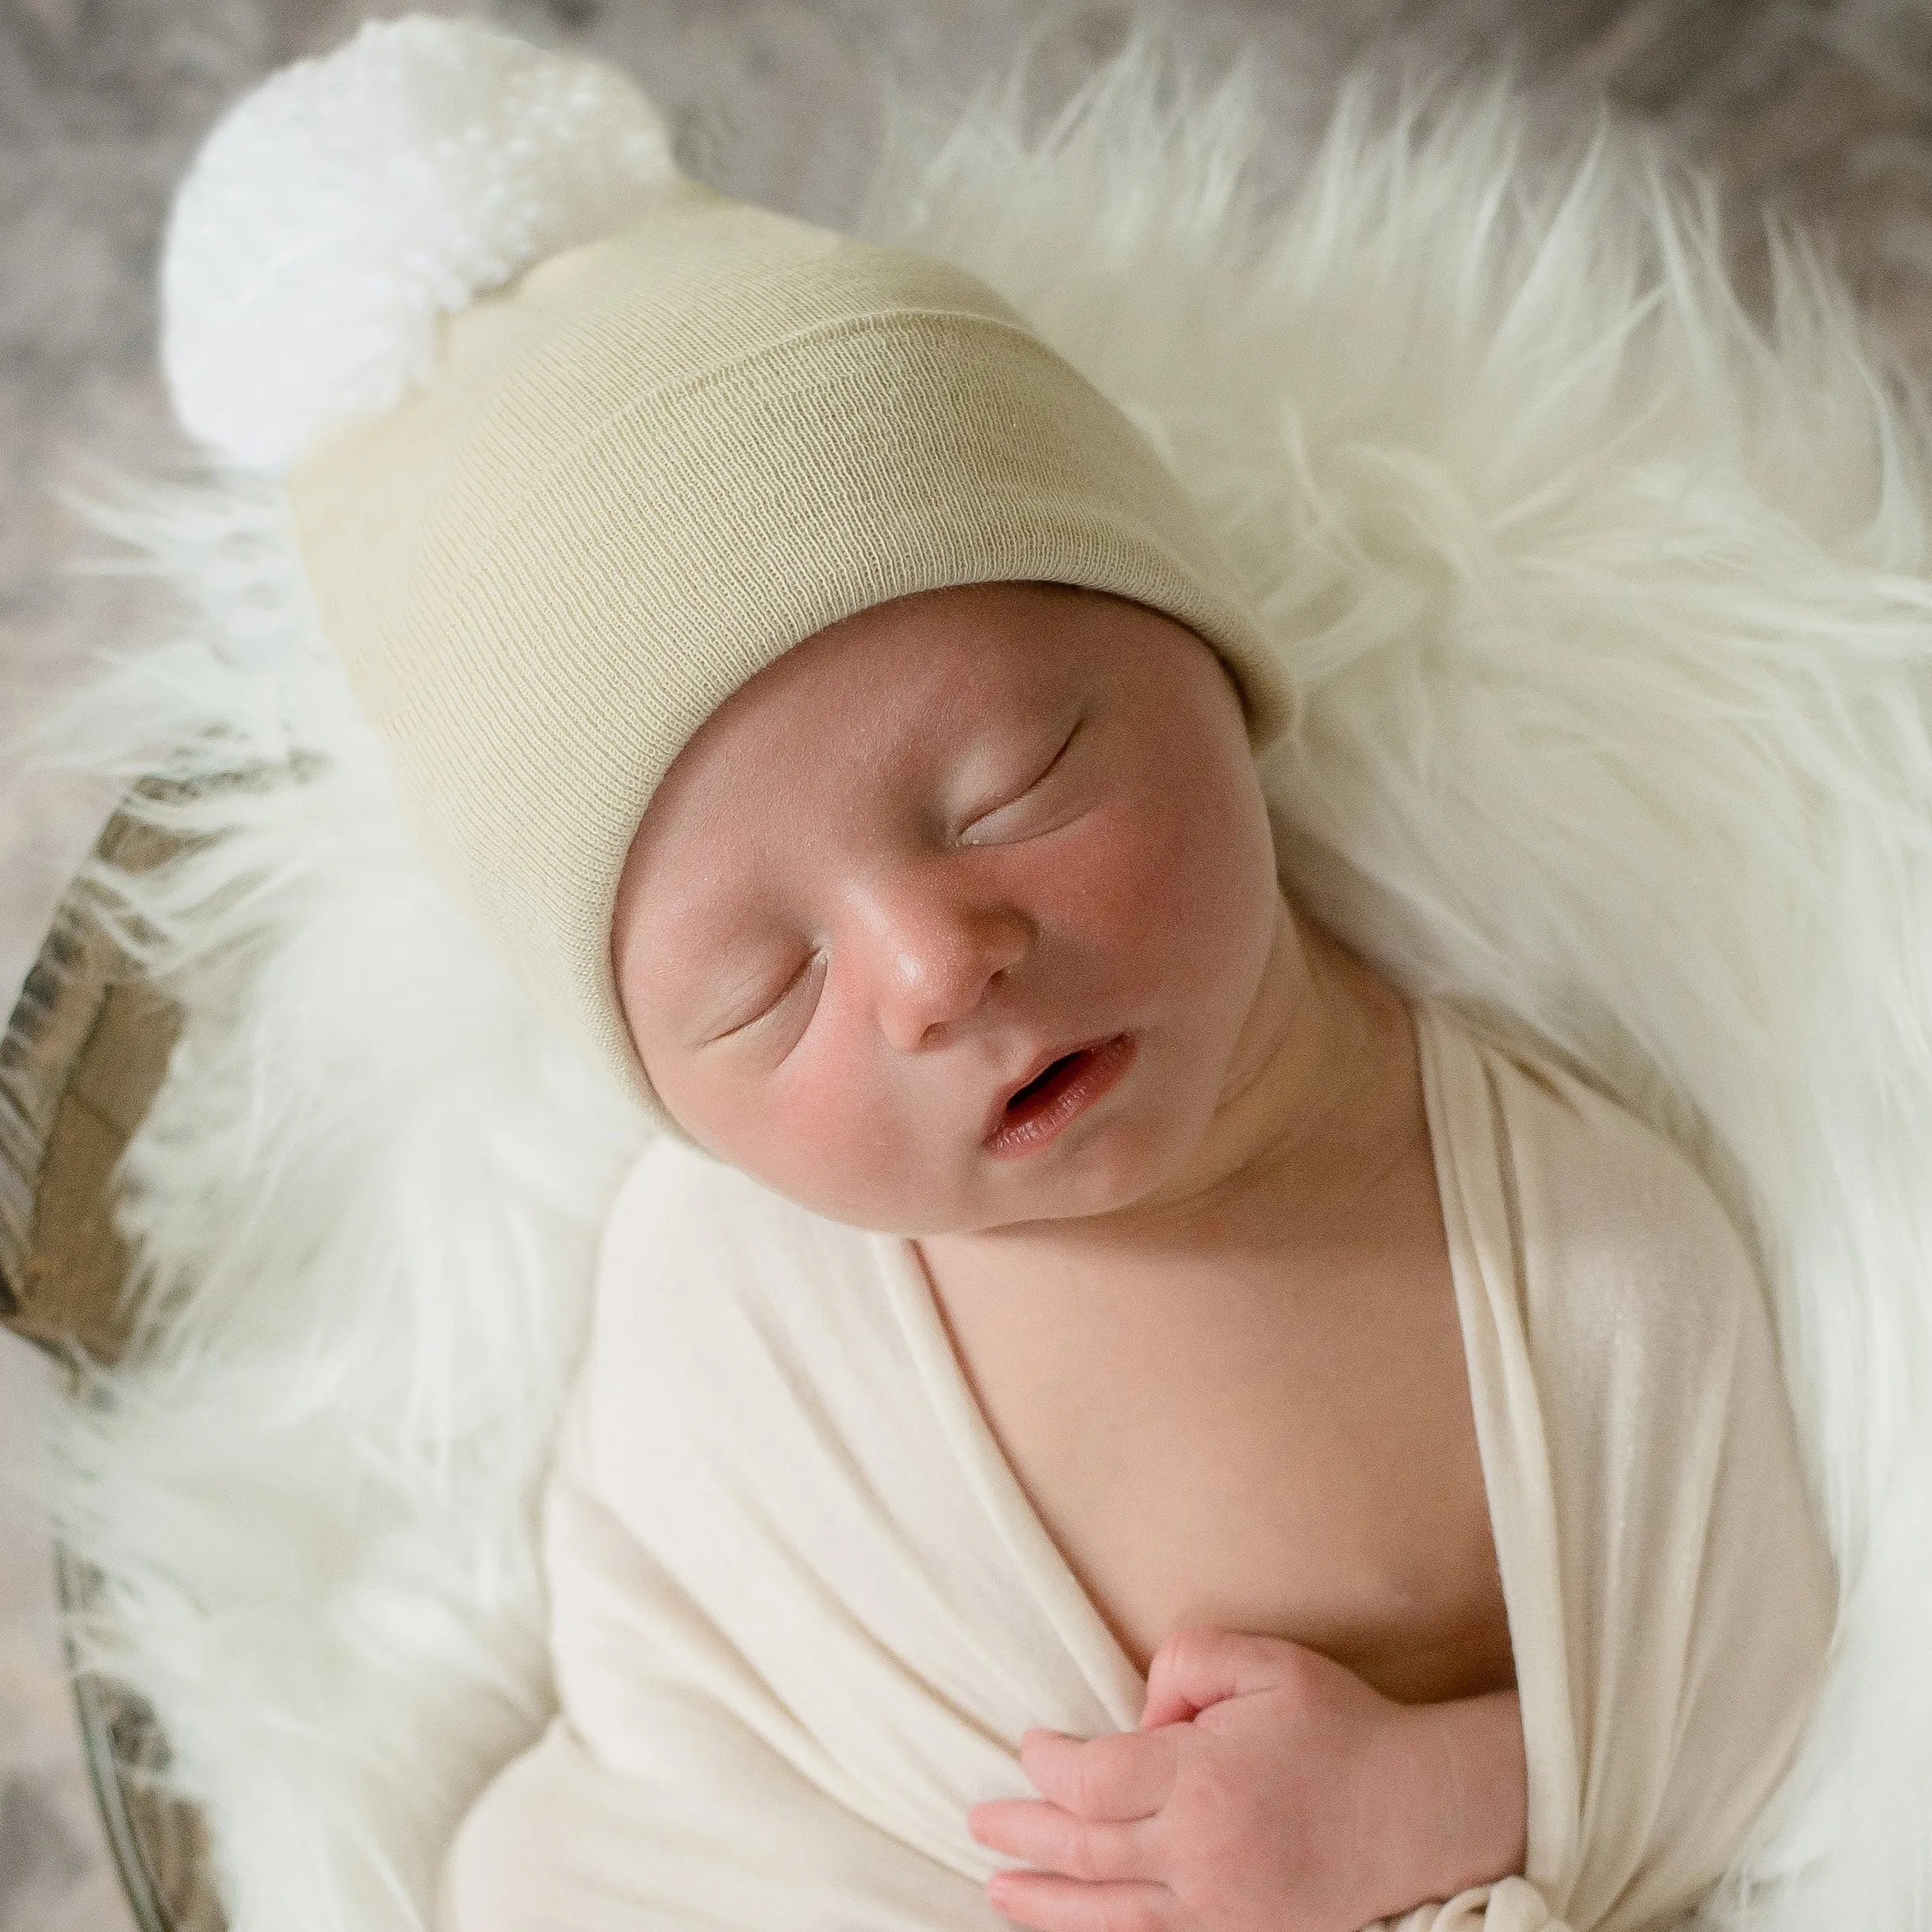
336,211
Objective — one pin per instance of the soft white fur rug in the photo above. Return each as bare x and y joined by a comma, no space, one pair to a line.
1614,611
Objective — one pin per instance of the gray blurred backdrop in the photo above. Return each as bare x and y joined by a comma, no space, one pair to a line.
1822,108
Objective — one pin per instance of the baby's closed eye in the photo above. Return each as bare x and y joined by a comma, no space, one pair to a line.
1018,812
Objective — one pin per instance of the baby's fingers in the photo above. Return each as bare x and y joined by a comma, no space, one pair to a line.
1050,1904
1045,1835
1122,1775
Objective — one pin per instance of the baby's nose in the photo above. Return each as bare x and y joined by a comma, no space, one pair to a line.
936,952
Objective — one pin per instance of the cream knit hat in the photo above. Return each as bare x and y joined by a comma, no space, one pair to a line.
551,527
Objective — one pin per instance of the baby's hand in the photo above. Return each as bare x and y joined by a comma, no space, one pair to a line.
1267,1789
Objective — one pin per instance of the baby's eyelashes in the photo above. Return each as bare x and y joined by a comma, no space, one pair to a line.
771,1005
987,828
810,972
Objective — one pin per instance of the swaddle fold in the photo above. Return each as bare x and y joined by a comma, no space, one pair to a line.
803,1611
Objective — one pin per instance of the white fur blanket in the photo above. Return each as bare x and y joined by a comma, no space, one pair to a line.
1614,610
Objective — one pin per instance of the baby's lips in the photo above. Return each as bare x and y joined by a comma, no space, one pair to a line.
1038,1065
1060,1092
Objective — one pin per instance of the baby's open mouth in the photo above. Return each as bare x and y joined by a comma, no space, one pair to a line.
1039,1084
1037,1111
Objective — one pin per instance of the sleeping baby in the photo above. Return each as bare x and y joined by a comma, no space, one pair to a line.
1101,1412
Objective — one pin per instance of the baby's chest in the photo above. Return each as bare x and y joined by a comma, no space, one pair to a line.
1236,1452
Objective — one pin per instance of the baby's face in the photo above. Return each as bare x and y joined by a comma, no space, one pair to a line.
925,853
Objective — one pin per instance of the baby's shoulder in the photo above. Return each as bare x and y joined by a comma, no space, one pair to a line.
673,1187
696,1265
1623,1241
681,1217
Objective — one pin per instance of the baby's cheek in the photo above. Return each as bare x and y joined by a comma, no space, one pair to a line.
823,1134
1165,897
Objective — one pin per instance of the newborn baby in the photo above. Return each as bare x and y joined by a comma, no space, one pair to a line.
1089,1384
960,923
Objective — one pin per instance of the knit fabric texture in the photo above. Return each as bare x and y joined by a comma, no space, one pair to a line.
650,465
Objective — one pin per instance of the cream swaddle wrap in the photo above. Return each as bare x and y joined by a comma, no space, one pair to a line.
803,1612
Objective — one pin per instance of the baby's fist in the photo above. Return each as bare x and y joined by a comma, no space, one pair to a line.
1245,1803
1267,1789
